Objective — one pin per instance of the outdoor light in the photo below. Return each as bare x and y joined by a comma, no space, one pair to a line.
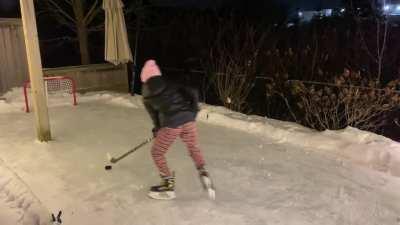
342,10
398,8
386,7
300,14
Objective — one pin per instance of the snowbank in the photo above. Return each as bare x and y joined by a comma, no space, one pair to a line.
14,101
363,147
18,205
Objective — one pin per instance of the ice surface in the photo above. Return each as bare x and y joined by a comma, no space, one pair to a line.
266,171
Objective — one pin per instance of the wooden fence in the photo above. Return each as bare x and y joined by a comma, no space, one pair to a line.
13,62
14,67
94,77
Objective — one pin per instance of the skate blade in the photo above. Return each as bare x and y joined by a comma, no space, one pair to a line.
208,186
211,194
168,195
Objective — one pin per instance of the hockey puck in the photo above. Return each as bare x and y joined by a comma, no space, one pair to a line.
108,167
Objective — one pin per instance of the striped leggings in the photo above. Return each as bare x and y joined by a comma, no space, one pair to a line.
166,137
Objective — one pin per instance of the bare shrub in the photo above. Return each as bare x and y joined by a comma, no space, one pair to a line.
352,100
319,106
277,86
283,65
233,63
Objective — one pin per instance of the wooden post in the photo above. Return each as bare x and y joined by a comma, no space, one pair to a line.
35,70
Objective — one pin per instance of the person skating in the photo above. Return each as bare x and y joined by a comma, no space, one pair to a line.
173,109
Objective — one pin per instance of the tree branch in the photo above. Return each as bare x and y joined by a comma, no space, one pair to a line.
396,121
99,27
94,10
69,2
61,11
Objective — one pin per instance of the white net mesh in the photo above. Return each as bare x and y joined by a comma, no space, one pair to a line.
56,85
56,89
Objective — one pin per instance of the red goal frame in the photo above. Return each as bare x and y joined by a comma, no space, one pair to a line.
56,84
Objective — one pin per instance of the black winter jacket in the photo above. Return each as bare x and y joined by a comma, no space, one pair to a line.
169,104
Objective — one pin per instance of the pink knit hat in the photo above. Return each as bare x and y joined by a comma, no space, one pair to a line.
150,69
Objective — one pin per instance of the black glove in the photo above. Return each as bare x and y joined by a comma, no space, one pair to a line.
155,130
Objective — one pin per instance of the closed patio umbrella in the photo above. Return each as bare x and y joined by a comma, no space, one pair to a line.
117,48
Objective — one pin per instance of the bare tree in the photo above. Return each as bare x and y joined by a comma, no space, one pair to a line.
78,16
375,49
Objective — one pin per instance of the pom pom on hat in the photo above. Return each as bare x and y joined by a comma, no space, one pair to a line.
150,69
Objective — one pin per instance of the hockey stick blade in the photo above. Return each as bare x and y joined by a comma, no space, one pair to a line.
113,160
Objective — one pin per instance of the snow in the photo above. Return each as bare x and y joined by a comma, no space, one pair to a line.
266,171
363,147
18,205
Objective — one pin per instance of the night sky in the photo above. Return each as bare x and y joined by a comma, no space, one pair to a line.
303,4
312,4
8,7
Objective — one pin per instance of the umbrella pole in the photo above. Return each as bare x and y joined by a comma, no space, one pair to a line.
135,68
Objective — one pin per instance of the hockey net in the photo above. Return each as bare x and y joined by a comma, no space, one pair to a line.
60,86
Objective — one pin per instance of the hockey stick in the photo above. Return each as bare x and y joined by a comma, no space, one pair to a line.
115,160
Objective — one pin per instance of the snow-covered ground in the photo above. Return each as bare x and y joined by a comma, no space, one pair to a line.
266,171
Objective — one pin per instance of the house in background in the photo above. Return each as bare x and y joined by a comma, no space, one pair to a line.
390,7
308,15
306,12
